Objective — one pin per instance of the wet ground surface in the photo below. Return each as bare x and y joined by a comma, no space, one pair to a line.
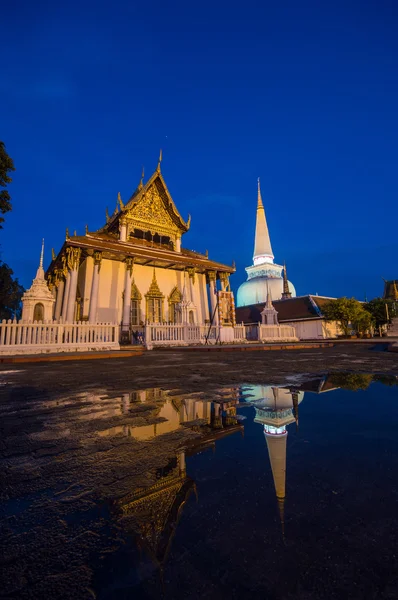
175,475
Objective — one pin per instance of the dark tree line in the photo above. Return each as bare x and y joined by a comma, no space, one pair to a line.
10,290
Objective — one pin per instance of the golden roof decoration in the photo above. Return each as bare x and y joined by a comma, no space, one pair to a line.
154,290
151,207
175,295
135,293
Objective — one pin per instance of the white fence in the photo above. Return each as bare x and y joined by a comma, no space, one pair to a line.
38,337
276,333
179,335
240,333
190,335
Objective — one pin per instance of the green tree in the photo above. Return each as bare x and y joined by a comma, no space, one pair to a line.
10,293
381,315
6,166
345,311
351,381
363,322
10,289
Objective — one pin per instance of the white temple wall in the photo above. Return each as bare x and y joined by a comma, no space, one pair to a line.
309,329
201,295
111,286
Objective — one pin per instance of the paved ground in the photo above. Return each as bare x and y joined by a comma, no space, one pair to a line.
58,477
191,371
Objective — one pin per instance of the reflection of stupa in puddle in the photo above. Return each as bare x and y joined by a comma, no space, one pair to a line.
276,408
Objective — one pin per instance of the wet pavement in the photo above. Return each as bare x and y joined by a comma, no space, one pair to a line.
282,488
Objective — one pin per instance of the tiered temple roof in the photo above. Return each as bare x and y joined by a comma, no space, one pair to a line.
154,228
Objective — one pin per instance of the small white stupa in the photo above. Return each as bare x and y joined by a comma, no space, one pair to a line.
38,301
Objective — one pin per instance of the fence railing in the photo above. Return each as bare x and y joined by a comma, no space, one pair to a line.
39,336
239,333
276,333
157,334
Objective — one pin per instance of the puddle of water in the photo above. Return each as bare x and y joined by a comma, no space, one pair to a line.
300,488
279,491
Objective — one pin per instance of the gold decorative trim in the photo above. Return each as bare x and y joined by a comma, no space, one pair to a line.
135,293
154,290
129,264
211,276
97,259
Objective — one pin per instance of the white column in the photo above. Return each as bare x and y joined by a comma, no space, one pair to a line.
92,314
178,244
213,298
127,294
70,311
191,273
60,295
122,230
65,297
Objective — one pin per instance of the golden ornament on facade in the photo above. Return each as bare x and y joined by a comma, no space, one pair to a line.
135,293
191,272
129,264
154,290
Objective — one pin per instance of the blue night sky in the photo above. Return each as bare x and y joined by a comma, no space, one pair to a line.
302,94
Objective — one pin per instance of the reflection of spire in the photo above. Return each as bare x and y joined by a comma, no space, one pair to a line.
276,444
262,244
286,292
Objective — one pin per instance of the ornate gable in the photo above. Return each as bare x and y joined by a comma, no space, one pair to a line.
151,212
135,292
175,295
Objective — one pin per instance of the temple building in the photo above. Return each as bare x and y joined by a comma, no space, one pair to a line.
264,276
391,290
134,270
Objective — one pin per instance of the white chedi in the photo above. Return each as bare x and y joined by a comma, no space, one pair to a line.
38,301
264,274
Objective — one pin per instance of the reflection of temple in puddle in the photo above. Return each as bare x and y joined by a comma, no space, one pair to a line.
152,513
174,411
276,408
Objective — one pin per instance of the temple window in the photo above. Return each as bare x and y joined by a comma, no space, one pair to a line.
154,302
135,305
174,300
154,310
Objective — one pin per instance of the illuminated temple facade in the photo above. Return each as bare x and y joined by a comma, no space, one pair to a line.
134,269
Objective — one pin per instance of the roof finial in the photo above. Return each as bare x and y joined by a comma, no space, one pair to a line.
42,254
286,292
119,199
160,160
141,183
259,199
